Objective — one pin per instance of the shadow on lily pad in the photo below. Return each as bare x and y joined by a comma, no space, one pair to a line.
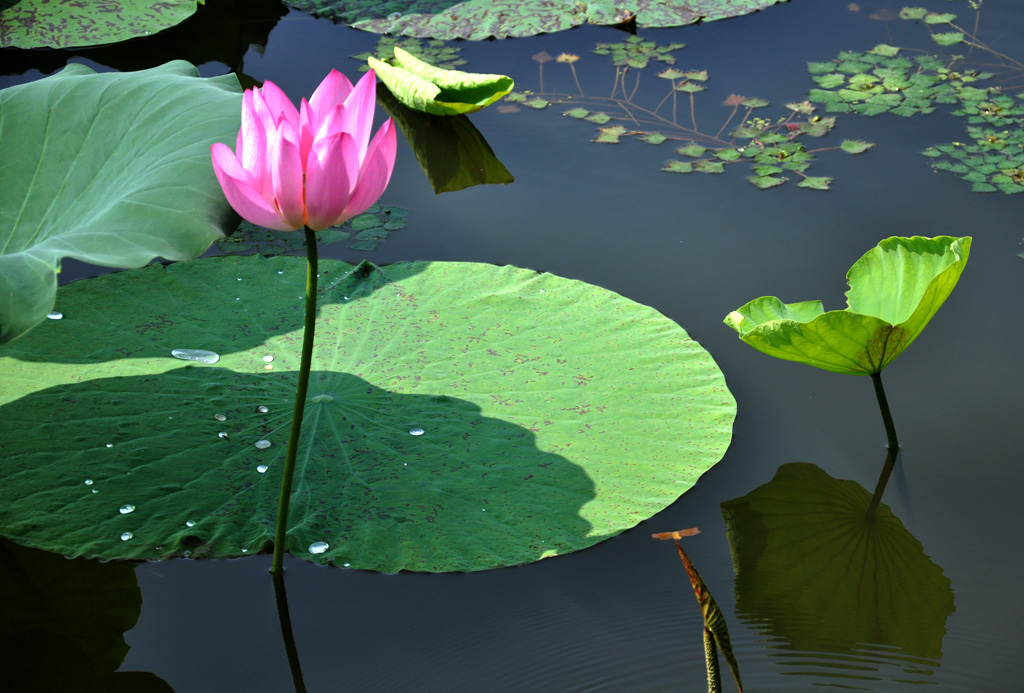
188,463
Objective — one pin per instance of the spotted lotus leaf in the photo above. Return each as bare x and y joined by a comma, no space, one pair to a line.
481,19
55,24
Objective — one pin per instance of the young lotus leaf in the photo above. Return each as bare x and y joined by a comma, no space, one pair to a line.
460,416
481,19
895,289
434,90
125,178
49,24
813,572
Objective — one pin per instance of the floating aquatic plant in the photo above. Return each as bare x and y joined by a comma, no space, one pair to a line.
716,631
481,19
44,24
423,87
772,148
895,289
435,51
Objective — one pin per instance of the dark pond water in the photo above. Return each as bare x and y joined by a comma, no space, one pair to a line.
621,616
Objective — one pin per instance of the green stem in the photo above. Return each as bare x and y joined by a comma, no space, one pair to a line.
883,479
711,660
286,632
300,404
883,404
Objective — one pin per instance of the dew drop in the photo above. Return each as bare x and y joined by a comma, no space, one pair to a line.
262,468
239,278
416,432
262,409
190,523
262,444
319,547
347,565
543,291
269,367
268,358
125,509
220,417
55,315
126,536
345,297
88,482
201,355
110,445
222,434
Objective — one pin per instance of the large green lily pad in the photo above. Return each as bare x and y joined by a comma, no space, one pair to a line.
59,24
112,169
461,416
481,19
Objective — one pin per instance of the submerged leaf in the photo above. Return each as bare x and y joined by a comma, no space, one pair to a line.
895,289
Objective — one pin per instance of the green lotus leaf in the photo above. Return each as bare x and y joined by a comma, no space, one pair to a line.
461,416
481,19
49,24
112,169
814,574
423,87
895,289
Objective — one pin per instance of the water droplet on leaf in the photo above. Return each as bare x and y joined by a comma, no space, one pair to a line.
88,482
222,434
220,417
319,547
190,523
263,444
125,509
201,355
262,409
268,358
126,536
261,469
416,432
55,315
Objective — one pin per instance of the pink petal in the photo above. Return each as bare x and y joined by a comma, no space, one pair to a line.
286,167
332,91
279,104
251,148
376,170
308,124
359,106
241,194
327,180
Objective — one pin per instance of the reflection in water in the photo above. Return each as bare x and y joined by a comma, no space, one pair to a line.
452,152
62,623
284,616
851,598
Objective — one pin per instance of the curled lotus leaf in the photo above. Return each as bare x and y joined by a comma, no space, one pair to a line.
895,289
423,87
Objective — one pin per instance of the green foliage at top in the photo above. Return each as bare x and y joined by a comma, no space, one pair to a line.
370,228
481,19
814,572
124,179
51,24
895,289
460,417
636,52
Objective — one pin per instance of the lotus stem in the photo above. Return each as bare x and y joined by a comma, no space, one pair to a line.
711,659
286,632
883,479
883,404
281,529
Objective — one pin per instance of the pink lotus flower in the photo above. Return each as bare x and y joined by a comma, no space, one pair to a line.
313,166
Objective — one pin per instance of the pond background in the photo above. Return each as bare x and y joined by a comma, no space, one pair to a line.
621,616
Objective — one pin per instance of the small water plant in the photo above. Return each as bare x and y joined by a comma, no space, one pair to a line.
895,289
774,148
716,632
311,168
